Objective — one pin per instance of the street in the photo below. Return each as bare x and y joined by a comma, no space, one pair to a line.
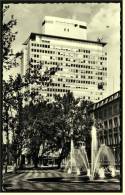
53,181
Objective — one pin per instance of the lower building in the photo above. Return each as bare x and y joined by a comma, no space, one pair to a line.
107,113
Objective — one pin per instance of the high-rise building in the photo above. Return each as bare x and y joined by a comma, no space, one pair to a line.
82,63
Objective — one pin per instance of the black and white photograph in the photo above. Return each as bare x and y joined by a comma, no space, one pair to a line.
61,96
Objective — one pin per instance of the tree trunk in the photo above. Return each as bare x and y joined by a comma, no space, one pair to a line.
59,162
35,160
7,141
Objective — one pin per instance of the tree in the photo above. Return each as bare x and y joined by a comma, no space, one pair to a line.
77,122
54,122
14,93
8,36
9,61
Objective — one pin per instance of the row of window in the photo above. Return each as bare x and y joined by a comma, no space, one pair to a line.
57,90
61,69
99,73
83,66
72,65
70,60
57,85
100,78
68,49
112,140
82,72
40,45
79,81
59,53
69,65
111,123
83,50
36,66
89,72
61,58
103,58
43,51
45,41
108,111
52,95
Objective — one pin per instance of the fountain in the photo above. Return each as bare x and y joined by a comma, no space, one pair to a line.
77,160
94,147
104,156
100,159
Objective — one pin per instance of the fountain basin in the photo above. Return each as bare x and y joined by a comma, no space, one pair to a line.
81,179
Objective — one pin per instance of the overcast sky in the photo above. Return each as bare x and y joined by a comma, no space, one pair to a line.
103,20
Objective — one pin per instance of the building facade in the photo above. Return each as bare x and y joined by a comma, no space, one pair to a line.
107,113
81,64
64,27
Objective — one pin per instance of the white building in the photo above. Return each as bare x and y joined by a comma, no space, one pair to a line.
64,27
82,64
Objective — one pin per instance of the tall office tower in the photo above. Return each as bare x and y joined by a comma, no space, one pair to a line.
82,63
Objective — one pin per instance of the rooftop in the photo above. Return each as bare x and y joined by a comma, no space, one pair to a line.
64,20
32,36
105,101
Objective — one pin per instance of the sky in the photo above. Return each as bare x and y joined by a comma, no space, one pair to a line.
103,20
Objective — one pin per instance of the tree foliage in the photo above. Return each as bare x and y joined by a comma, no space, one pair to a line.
8,37
16,90
51,124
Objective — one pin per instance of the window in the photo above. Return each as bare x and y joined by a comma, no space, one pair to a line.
100,85
84,27
116,108
60,79
105,113
116,122
110,123
110,111
43,23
